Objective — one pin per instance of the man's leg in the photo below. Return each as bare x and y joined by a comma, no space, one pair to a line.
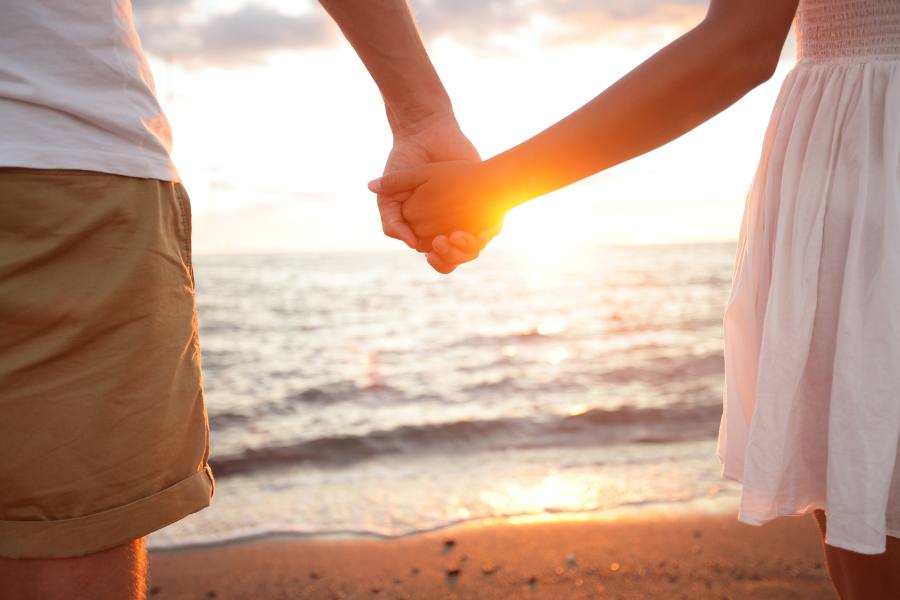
863,576
119,573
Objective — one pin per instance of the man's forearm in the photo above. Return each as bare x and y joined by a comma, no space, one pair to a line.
385,36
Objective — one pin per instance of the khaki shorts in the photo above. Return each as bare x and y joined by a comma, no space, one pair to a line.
103,429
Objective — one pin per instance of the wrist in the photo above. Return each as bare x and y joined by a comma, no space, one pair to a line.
412,116
499,185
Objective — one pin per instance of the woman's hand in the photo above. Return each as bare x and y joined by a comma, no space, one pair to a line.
436,138
453,196
433,139
448,252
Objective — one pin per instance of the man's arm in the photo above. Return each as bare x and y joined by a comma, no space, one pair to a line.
385,36
387,40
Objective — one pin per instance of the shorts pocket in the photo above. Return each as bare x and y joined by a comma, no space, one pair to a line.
185,229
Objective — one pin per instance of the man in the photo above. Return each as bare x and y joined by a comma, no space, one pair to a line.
103,429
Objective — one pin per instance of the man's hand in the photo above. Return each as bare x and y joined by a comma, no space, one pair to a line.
385,35
434,139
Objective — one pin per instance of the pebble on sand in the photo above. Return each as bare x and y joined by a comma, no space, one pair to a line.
614,567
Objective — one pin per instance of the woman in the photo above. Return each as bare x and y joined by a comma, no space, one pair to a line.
812,325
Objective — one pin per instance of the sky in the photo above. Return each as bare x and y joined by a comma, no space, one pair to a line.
277,126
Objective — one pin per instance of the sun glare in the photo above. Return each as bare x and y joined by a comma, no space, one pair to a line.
545,232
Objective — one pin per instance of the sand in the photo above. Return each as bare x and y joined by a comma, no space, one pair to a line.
642,556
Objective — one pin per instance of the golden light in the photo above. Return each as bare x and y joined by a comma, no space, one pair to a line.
544,234
551,327
555,493
509,351
557,355
578,409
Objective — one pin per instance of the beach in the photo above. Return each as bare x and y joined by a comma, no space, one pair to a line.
357,393
563,449
645,554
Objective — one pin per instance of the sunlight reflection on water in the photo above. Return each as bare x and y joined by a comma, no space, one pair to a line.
363,393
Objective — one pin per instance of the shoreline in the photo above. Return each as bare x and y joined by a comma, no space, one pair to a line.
642,555
705,505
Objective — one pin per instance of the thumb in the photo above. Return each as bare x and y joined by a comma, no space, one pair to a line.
399,181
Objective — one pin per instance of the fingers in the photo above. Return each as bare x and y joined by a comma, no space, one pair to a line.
423,245
469,243
439,265
399,181
451,253
401,230
392,221
464,240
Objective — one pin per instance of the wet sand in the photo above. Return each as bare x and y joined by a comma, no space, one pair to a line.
638,556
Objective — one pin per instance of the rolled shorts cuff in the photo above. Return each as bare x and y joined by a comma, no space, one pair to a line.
67,538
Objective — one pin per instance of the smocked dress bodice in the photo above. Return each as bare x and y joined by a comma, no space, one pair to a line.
848,29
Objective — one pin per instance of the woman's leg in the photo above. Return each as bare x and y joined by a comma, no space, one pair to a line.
863,576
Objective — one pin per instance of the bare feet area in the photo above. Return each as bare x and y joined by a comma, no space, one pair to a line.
646,556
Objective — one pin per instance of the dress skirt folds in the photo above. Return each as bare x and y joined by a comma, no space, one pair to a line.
812,324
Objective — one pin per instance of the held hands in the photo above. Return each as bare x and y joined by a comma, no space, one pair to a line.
439,198
434,139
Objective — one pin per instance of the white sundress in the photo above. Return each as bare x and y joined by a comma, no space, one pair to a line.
812,324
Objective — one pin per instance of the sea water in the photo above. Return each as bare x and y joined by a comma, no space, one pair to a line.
362,393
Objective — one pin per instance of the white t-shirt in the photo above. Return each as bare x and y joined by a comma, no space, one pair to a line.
76,91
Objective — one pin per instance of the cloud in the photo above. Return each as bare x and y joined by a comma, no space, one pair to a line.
154,14
471,19
590,20
477,21
244,35
171,28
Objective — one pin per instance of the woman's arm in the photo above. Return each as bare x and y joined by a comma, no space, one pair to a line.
708,69
733,50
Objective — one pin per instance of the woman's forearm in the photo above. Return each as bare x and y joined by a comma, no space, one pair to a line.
686,83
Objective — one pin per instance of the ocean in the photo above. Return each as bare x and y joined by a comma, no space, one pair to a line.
363,394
